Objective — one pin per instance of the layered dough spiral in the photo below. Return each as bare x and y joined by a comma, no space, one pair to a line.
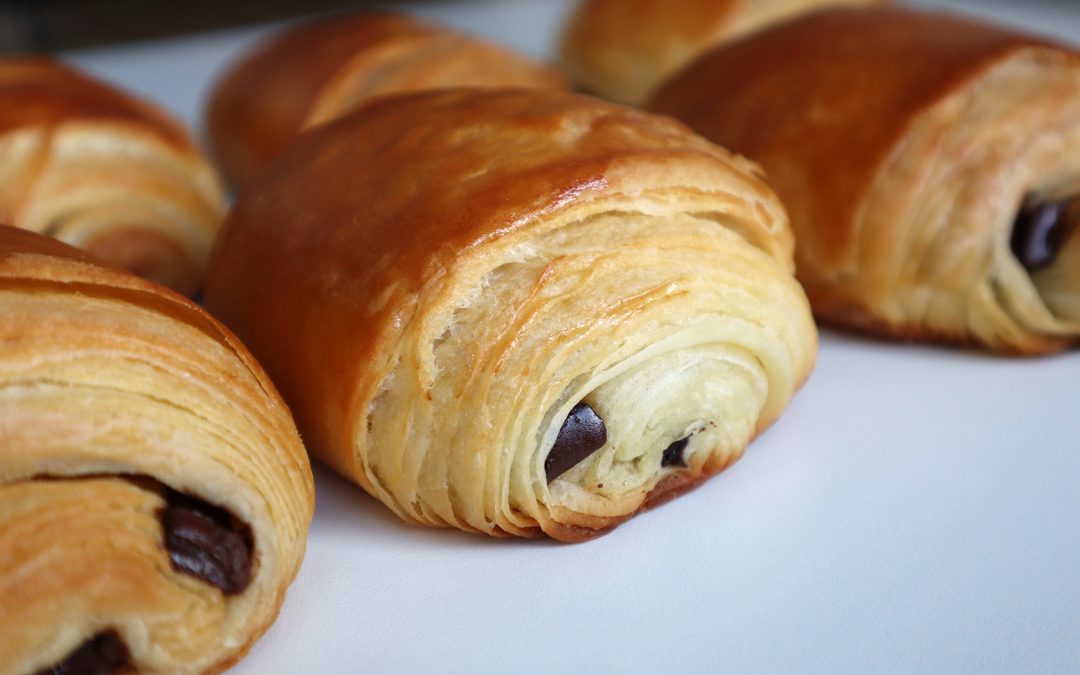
449,288
154,494
103,171
623,49
316,71
931,167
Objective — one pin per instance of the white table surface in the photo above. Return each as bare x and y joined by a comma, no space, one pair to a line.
916,510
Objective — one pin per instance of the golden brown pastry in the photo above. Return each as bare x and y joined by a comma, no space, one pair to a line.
154,494
317,71
101,170
541,313
931,166
623,49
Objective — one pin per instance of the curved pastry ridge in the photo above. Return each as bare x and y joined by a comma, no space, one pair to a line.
536,308
104,172
316,71
930,179
154,495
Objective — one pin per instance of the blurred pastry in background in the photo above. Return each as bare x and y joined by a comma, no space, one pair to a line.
319,70
623,49
930,163
106,172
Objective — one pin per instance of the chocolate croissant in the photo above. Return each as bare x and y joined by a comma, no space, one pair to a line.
317,71
154,494
931,166
103,171
623,49
517,312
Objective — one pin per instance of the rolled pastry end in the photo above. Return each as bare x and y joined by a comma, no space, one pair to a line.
155,495
924,176
608,363
967,233
676,418
995,258
150,575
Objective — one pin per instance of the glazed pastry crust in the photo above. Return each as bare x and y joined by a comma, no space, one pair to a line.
903,144
317,71
110,387
623,49
103,171
450,272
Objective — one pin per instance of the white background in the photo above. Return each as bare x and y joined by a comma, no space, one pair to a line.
917,509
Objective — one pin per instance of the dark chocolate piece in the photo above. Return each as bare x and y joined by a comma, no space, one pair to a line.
103,654
582,434
673,456
1041,230
207,542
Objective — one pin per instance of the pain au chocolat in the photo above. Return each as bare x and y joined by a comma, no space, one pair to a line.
623,49
154,494
931,166
106,172
316,71
517,312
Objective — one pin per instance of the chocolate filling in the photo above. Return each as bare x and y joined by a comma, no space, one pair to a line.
582,434
673,455
1041,230
103,654
207,542
202,540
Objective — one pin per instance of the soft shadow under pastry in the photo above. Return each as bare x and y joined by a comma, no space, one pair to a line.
154,494
517,312
931,166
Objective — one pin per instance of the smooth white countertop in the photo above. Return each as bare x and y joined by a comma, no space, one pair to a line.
916,510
